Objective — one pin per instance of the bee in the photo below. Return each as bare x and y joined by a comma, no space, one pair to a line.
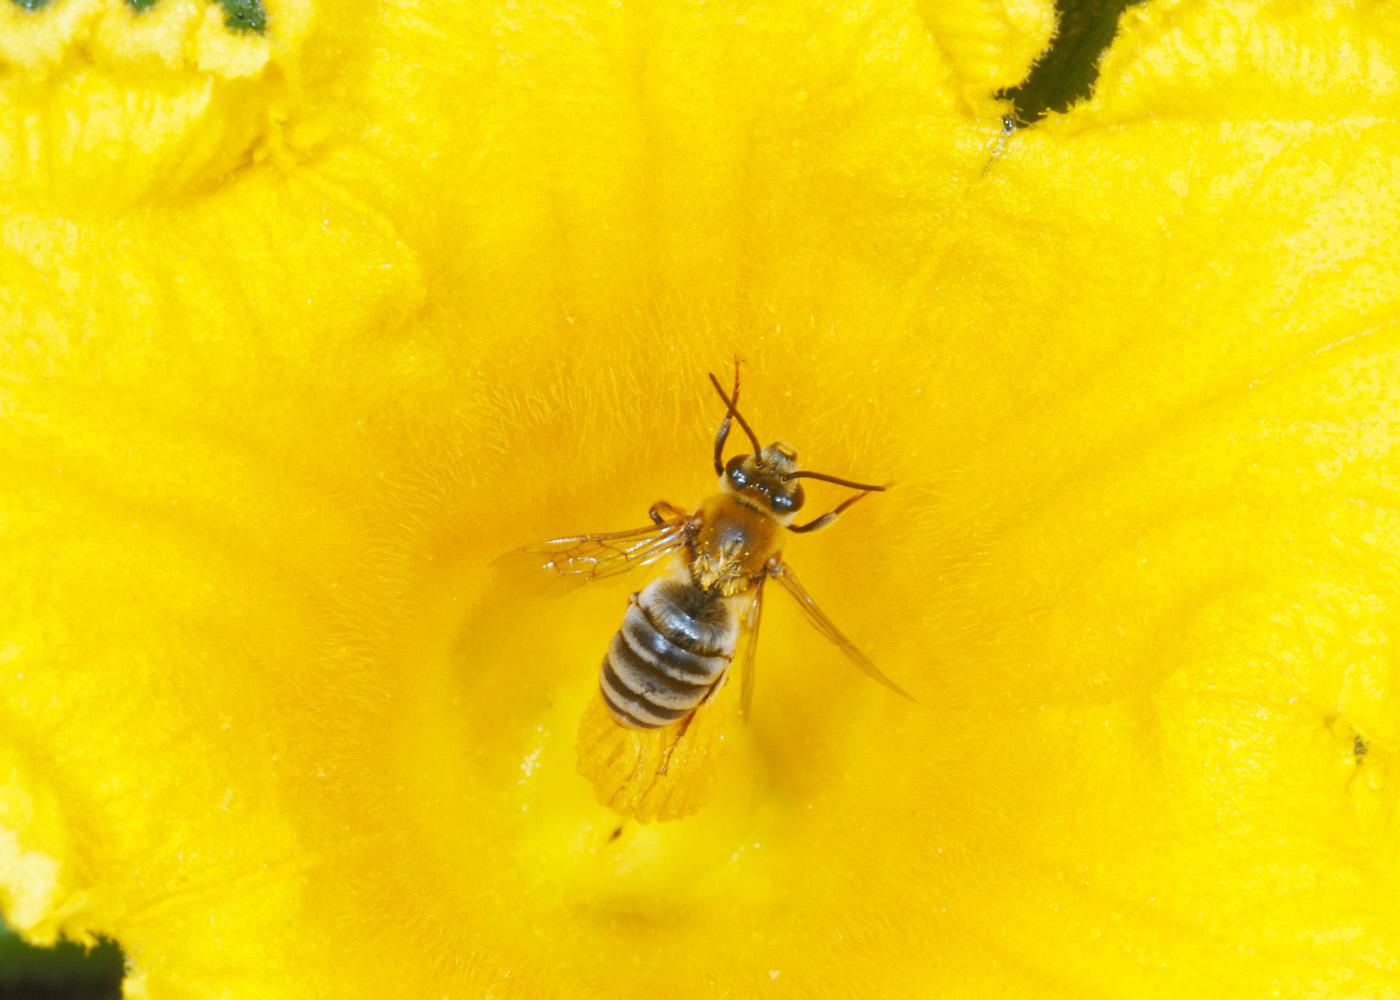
680,633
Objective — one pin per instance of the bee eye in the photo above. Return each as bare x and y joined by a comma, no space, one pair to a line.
788,501
735,471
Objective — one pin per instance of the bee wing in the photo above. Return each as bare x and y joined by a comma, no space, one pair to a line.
784,575
749,664
585,558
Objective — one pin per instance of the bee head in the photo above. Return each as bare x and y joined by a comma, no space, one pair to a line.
766,478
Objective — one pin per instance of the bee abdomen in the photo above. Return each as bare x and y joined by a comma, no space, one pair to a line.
675,644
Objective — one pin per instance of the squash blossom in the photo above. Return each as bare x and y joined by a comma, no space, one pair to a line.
309,311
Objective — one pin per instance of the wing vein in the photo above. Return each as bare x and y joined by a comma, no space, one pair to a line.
784,575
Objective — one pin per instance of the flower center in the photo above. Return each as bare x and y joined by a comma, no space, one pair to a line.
105,103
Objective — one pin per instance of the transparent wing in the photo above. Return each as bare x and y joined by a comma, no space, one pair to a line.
592,557
749,665
784,575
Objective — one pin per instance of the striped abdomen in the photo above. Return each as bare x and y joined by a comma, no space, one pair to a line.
674,646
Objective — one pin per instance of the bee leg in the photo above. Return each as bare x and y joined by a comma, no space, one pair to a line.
661,512
828,517
681,727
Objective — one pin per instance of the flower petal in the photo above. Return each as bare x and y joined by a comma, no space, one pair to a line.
991,45
264,707
256,463
1187,515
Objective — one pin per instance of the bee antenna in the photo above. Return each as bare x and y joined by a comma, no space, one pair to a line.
866,487
733,405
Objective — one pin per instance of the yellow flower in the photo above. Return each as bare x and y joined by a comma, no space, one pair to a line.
304,323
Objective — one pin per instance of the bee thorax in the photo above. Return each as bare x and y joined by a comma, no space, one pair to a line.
719,573
733,545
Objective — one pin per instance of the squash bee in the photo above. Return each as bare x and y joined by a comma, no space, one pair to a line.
680,633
